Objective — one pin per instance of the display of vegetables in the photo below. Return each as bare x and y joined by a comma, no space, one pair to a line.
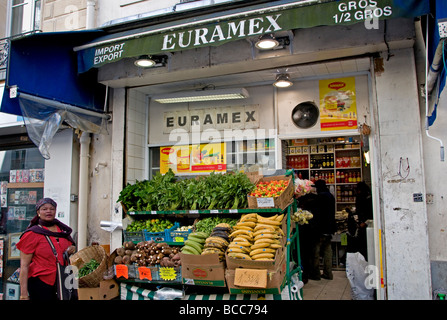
207,224
269,188
88,268
150,225
256,237
148,253
202,243
301,216
165,192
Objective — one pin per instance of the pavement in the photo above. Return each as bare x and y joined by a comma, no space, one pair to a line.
335,289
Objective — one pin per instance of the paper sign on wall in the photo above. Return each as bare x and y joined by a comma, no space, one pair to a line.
338,109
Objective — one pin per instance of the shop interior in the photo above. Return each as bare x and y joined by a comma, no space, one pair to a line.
340,157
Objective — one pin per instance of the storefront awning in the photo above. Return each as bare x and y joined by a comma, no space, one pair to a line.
218,29
437,50
42,70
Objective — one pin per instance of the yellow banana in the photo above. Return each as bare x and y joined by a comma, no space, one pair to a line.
261,250
237,250
279,218
241,243
262,256
260,245
264,226
241,227
264,231
250,224
241,232
266,240
268,221
239,255
275,246
267,235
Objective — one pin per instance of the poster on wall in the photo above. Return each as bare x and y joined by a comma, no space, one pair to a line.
193,159
338,109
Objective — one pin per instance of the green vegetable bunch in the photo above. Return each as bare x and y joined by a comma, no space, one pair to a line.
88,268
207,224
165,193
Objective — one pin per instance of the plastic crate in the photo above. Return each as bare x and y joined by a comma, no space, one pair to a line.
135,236
178,236
160,236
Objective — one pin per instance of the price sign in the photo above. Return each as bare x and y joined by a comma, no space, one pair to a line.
252,278
121,271
167,273
265,202
145,273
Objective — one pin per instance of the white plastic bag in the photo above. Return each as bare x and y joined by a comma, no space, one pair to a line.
356,273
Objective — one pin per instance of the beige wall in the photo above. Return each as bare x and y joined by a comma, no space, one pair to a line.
64,15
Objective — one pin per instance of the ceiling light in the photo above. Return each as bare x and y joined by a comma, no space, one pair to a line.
266,42
144,62
202,95
283,81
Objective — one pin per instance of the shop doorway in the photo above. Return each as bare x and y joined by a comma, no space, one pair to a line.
343,163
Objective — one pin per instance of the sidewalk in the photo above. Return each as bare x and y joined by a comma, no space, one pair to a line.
336,289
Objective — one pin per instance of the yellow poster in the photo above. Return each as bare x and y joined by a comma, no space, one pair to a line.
193,159
338,109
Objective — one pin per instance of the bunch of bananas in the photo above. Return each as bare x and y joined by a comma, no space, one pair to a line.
218,240
194,243
256,237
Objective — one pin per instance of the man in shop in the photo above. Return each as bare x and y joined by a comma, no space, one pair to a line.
326,228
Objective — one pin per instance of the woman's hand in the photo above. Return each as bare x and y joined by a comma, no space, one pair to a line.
71,249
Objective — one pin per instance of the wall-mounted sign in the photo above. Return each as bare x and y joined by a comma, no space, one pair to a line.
240,117
221,30
193,159
338,109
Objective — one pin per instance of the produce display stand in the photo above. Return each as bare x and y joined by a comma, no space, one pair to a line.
292,245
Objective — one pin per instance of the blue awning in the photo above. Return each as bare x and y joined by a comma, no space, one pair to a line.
437,55
42,70
44,65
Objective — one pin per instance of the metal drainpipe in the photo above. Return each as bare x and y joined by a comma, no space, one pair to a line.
90,14
83,189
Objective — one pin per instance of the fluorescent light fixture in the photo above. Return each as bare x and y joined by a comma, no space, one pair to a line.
282,81
266,42
144,62
202,95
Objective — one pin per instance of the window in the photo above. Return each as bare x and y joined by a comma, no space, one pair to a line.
25,16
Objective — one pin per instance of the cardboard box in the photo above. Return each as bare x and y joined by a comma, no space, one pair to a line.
276,280
107,290
203,270
276,202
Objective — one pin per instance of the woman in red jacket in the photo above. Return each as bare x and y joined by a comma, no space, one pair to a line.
37,260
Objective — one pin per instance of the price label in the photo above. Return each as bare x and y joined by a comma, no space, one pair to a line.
153,212
265,202
121,271
167,273
252,278
193,211
145,273
214,211
233,211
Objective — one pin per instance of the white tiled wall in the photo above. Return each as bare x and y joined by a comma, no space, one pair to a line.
136,137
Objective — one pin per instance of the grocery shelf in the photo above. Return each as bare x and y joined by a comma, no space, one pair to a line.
216,211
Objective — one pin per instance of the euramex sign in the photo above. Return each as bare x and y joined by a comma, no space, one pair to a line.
203,33
227,118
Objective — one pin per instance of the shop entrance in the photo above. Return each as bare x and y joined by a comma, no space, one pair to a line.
343,163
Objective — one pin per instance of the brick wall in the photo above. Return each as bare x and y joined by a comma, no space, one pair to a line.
64,15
